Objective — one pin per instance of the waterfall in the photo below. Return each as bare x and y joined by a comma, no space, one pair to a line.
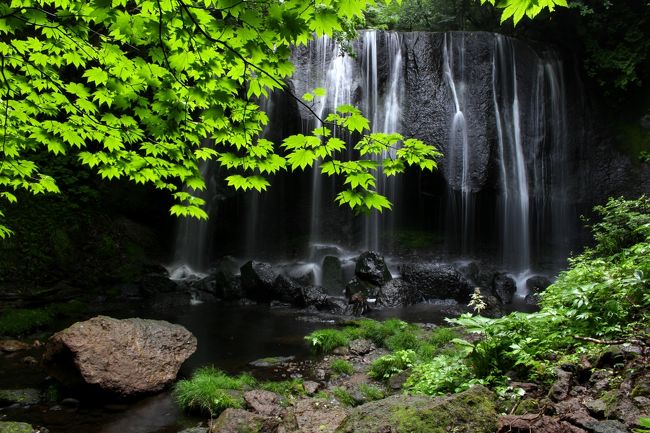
193,236
331,69
514,194
458,148
384,110
497,108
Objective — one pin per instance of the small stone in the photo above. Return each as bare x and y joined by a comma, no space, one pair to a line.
265,403
311,387
560,389
30,361
596,407
341,351
272,361
608,426
361,346
70,402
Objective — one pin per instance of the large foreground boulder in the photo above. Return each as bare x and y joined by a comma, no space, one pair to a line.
126,357
472,411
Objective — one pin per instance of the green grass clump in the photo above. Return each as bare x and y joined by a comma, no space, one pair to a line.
388,365
343,396
211,391
326,340
371,393
23,321
341,366
285,388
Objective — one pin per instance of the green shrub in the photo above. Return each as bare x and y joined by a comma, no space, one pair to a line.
326,340
285,388
442,335
394,363
623,224
402,340
211,391
393,332
343,396
441,375
603,297
370,392
341,366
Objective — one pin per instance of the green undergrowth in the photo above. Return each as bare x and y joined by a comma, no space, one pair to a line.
211,391
392,334
604,295
341,366
22,321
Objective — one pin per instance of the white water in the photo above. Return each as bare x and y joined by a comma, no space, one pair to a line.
193,236
459,147
385,109
514,197
334,69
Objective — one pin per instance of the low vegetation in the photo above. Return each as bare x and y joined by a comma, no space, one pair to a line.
211,391
603,296
22,321
341,366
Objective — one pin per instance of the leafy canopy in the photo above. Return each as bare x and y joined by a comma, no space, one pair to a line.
146,89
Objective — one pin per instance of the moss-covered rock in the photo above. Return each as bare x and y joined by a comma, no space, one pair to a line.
15,427
472,411
21,396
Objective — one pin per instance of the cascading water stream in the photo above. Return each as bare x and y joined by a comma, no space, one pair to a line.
335,70
194,236
458,149
514,196
384,109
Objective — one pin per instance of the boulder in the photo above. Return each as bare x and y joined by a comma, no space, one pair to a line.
372,268
560,388
504,287
314,296
15,427
241,421
333,281
537,283
436,281
358,286
257,280
286,289
394,293
152,284
361,346
265,403
126,357
472,411
314,416
227,286
535,423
